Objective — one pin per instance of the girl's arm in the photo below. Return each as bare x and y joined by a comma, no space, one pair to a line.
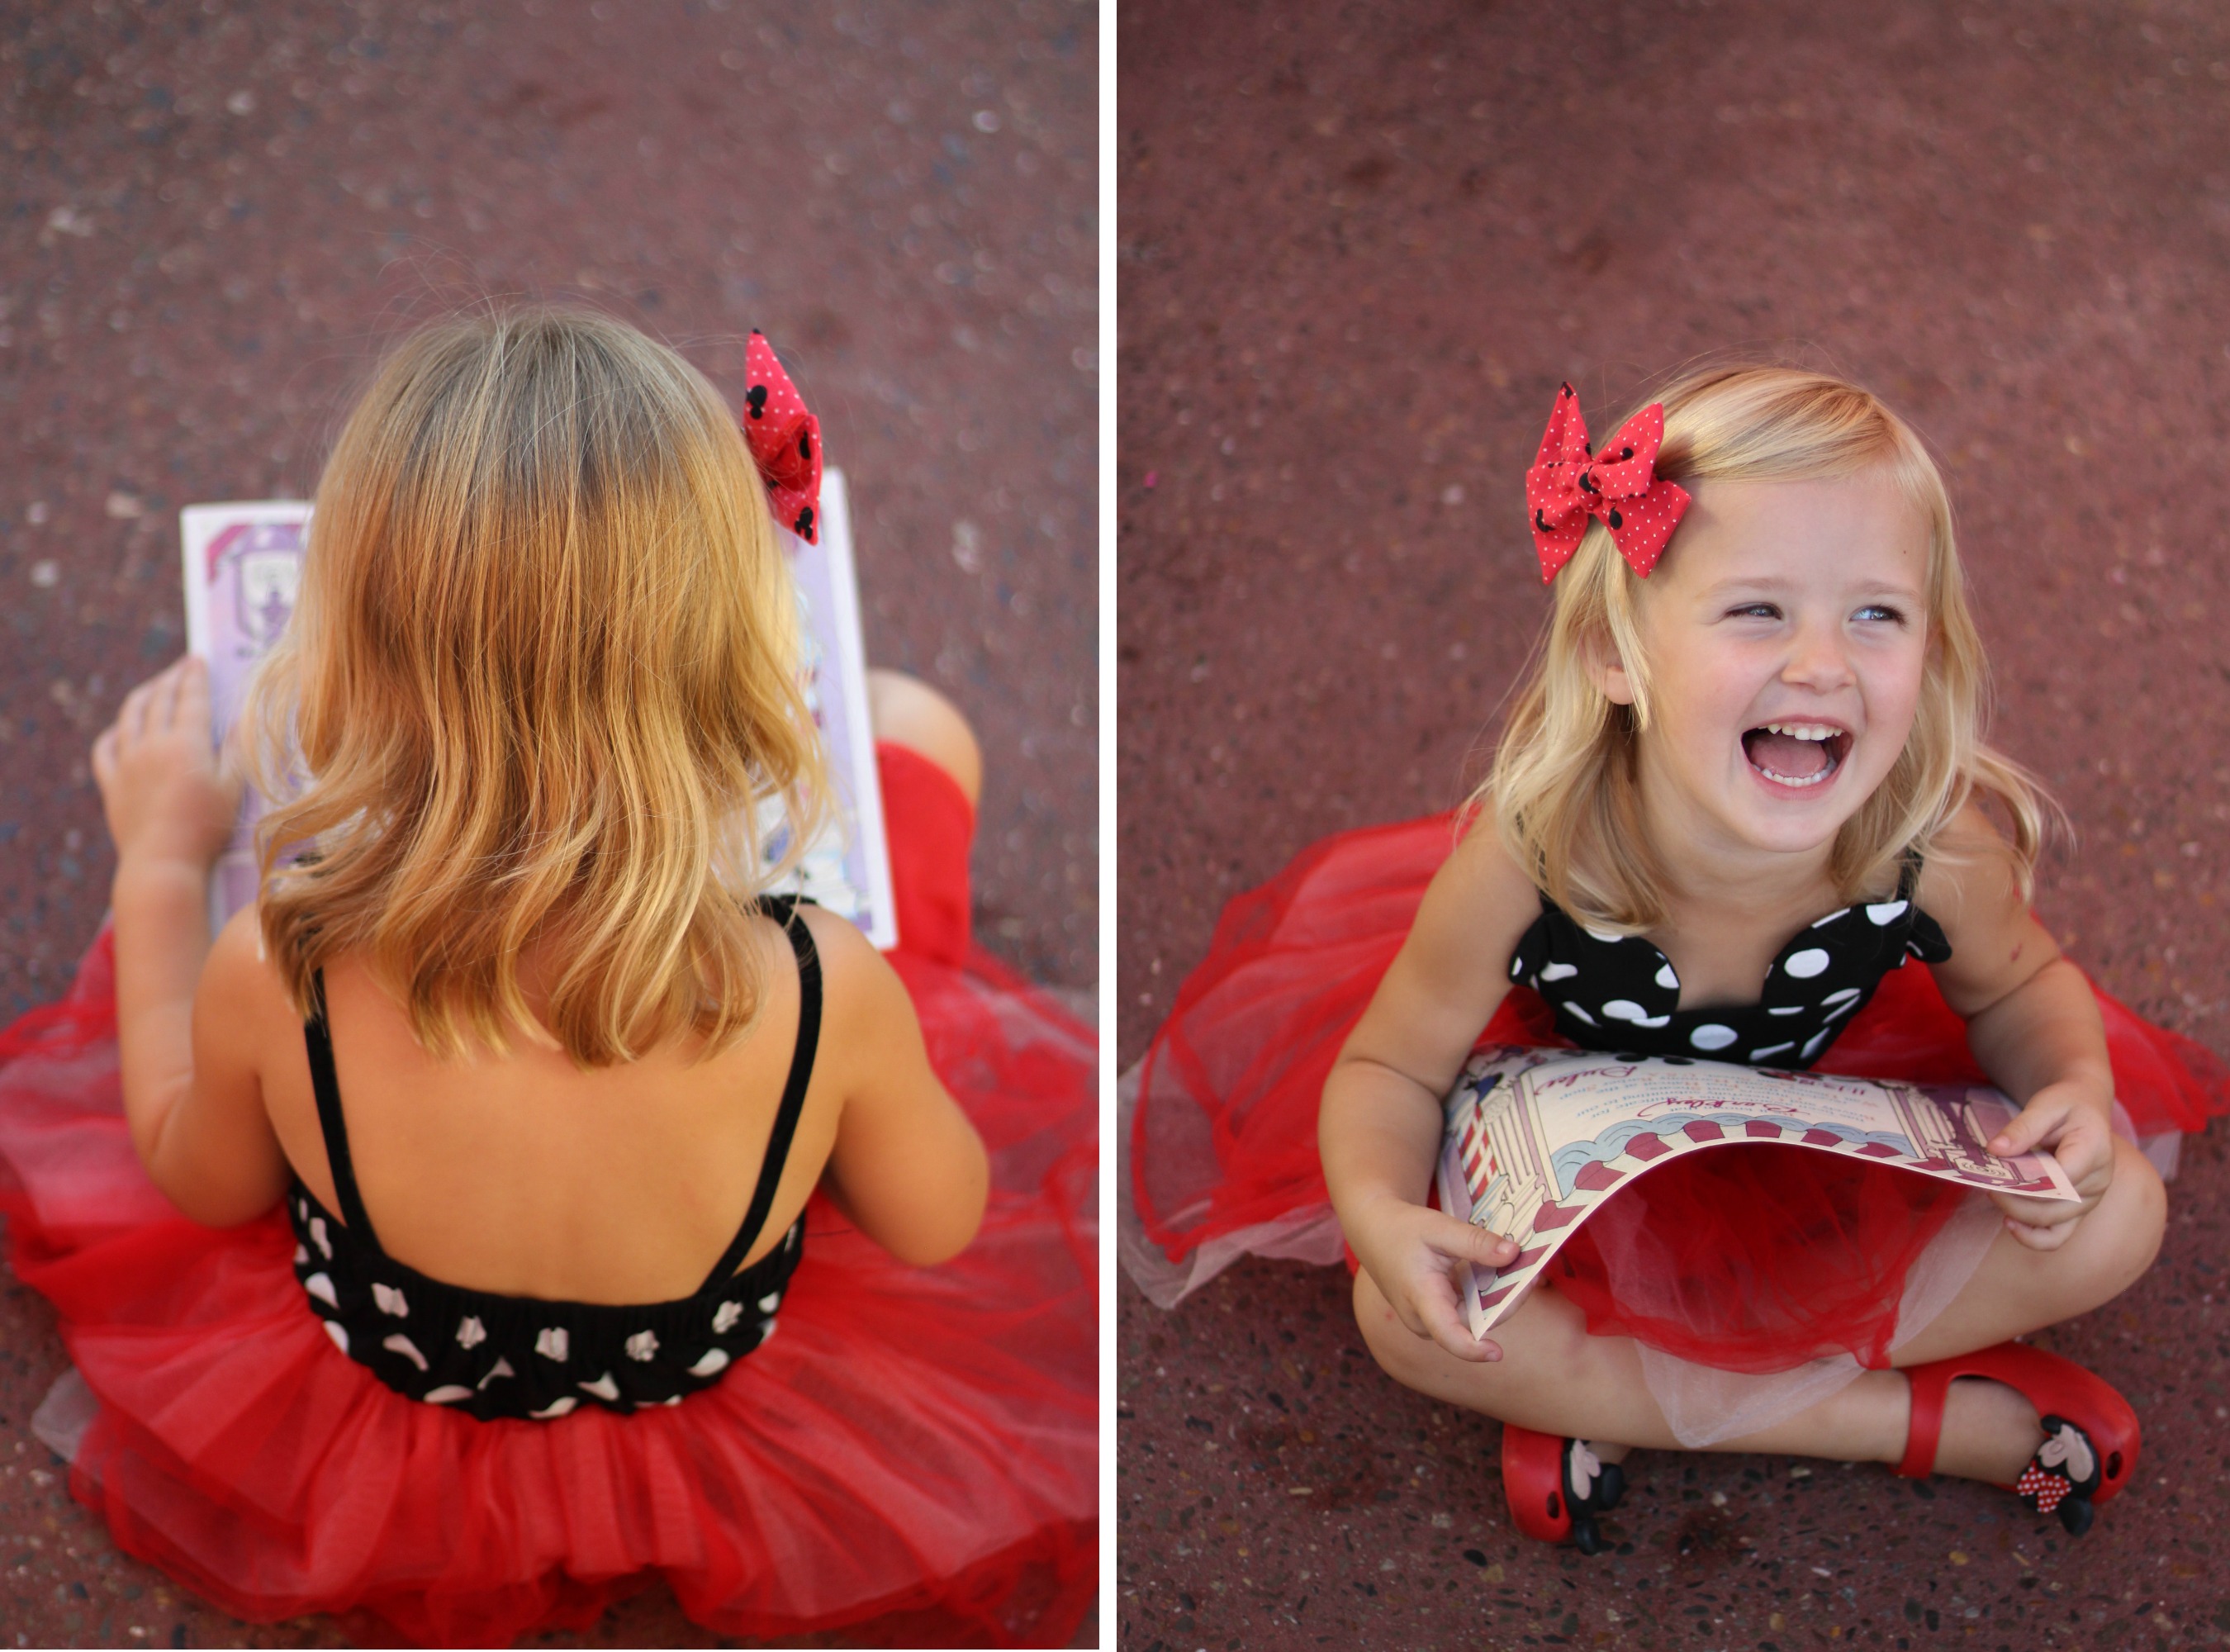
2031,1022
1379,1130
908,1168
190,1092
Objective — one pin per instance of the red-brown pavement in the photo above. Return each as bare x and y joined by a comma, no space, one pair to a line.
216,213
1358,247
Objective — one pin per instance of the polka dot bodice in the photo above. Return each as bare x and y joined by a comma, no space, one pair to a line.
1619,992
497,1356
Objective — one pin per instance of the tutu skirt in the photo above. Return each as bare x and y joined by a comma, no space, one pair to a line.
1758,1261
914,1459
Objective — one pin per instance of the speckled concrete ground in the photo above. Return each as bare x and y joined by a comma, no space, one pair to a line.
1358,247
216,213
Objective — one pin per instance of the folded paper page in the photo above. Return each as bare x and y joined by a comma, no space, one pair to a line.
1536,1139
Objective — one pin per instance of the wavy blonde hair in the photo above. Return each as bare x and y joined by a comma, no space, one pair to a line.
541,683
1563,787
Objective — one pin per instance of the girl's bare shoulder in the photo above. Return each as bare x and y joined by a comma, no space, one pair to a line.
241,1000
862,999
1972,885
848,959
1484,865
1483,874
1970,875
1482,900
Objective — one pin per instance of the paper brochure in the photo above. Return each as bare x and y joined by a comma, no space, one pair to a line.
1535,1139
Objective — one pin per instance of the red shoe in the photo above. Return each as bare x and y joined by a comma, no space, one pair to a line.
1557,1487
2090,1451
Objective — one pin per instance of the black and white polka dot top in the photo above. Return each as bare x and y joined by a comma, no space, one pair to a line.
521,1357
1619,992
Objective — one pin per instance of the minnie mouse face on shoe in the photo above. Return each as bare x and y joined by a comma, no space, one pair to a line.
1592,1486
2062,1476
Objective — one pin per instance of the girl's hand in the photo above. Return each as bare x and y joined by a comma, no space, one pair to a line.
2071,1120
1411,1252
167,799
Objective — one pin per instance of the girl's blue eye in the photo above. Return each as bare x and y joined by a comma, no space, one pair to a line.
1754,610
1880,611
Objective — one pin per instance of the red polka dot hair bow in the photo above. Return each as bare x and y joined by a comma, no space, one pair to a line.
784,440
1569,482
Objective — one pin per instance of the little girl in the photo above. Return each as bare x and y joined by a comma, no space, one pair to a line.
516,1119
1738,811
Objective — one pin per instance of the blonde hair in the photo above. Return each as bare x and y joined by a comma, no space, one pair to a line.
541,683
1563,787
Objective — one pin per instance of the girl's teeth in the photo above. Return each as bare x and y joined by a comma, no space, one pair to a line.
1803,731
1790,780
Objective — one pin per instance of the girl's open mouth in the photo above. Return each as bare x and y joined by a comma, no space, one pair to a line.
1796,754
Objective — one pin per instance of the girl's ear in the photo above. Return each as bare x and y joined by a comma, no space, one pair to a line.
1607,670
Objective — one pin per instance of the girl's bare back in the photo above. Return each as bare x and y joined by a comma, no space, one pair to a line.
525,1175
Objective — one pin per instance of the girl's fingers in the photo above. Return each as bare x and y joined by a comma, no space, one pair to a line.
2085,1150
153,704
193,687
2032,1125
131,716
1437,1309
2091,1141
2037,1237
1472,1244
2037,1213
163,703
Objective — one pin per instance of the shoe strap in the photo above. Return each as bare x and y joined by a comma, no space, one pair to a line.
1924,1428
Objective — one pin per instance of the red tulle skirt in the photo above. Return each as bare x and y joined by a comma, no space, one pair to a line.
914,1459
1751,1260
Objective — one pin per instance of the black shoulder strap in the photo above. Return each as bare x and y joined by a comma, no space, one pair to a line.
327,1085
783,911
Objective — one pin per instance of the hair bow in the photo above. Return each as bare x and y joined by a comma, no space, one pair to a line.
784,440
1569,482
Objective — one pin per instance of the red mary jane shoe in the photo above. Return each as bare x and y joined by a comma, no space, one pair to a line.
2090,1451
1557,1487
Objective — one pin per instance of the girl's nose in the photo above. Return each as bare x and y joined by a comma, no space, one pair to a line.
1819,660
